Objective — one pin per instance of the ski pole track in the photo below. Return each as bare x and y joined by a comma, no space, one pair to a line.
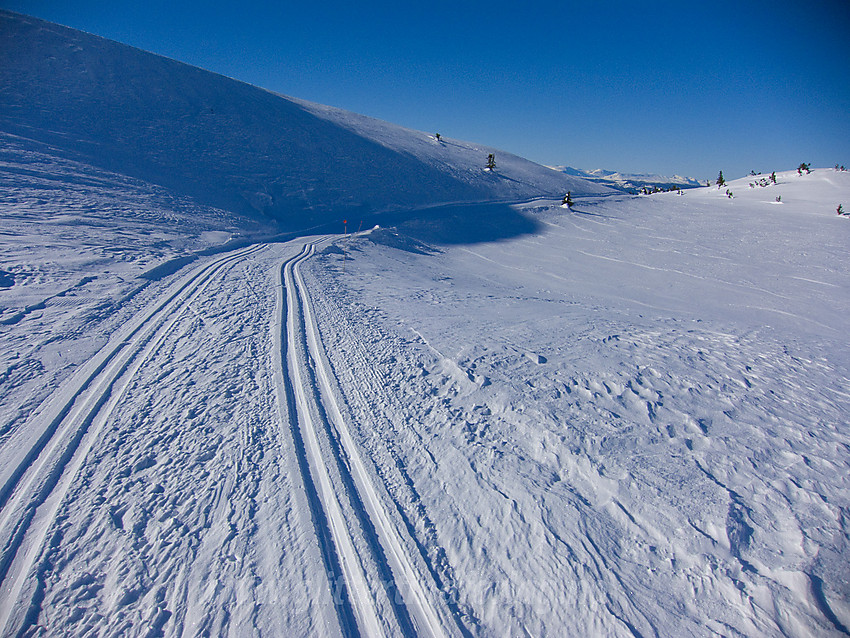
34,488
311,372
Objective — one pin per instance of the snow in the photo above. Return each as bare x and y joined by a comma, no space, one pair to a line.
671,455
630,182
476,418
233,146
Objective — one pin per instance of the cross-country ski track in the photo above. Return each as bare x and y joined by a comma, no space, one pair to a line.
373,580
318,413
33,489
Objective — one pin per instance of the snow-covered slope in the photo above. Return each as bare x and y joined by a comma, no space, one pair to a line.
231,145
625,419
632,423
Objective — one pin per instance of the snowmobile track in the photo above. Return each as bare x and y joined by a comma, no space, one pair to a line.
63,430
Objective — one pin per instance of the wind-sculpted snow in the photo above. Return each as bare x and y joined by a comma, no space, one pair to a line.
231,145
625,419
630,421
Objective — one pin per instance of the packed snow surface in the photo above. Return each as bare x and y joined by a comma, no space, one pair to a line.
631,421
462,417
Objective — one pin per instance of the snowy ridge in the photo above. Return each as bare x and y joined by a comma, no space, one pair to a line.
231,145
514,178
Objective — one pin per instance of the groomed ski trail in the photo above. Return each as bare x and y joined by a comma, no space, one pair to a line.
314,399
60,434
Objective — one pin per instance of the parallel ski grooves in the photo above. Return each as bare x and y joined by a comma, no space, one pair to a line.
34,488
417,613
357,584
286,396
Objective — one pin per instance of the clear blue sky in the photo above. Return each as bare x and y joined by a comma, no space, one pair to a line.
653,86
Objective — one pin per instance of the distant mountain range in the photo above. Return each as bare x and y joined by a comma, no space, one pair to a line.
630,182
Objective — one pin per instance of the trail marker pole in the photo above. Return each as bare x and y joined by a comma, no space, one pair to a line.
344,243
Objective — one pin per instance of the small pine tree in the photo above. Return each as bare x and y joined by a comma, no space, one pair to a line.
840,209
720,181
491,162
